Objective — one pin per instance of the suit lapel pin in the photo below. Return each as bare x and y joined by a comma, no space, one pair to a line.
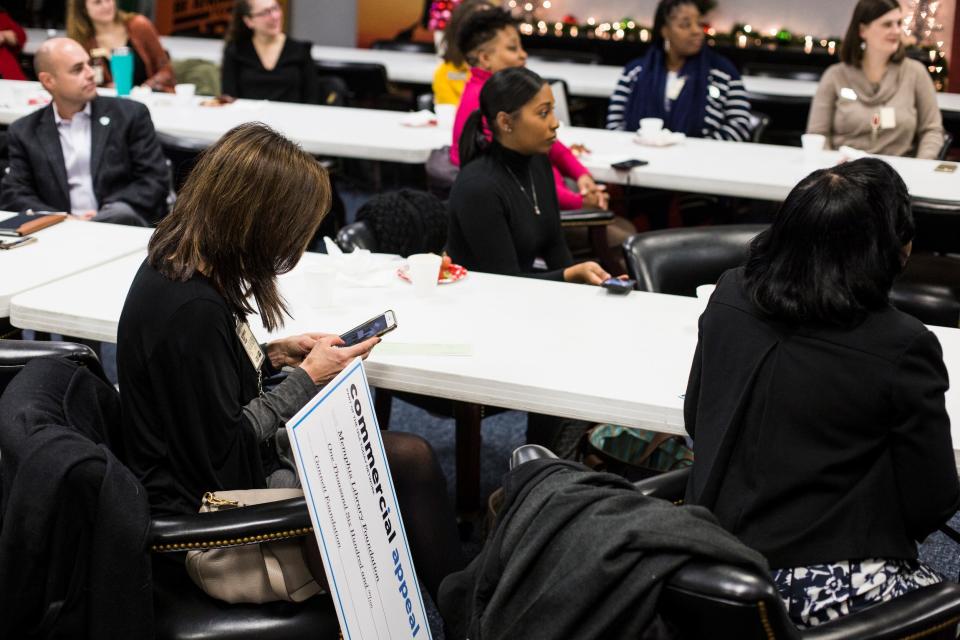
104,120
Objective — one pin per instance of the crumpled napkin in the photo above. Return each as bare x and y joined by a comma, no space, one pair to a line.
422,118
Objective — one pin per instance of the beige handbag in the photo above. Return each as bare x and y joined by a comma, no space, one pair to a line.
257,573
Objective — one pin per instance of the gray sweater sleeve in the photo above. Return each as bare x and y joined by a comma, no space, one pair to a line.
270,411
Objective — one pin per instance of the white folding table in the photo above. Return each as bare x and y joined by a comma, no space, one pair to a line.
64,249
546,347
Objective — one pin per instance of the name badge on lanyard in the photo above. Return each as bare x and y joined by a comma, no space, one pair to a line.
888,118
250,344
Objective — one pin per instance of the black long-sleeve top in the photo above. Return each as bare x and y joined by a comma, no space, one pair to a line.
193,415
493,225
815,444
293,79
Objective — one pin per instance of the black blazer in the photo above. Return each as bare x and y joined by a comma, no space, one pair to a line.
815,445
125,159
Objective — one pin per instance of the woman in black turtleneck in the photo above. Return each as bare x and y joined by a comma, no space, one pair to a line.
504,216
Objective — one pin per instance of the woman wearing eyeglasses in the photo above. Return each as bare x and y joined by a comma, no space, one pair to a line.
261,63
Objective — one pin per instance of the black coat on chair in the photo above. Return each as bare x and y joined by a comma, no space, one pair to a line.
75,520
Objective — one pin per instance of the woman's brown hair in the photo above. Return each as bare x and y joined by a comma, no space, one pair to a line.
238,29
866,11
244,216
79,25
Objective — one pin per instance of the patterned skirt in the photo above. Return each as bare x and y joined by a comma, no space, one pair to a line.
820,593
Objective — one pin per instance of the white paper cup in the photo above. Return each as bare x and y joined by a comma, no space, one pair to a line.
319,282
813,144
651,126
445,115
424,271
185,92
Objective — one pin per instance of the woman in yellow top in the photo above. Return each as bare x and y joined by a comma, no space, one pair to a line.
452,74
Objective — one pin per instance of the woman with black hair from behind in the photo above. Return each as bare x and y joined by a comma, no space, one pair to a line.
817,409
504,216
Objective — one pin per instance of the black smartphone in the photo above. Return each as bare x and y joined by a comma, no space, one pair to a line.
377,326
626,165
616,285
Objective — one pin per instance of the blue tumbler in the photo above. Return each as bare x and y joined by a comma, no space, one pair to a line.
121,68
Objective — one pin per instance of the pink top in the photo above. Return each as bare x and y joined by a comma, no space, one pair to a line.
562,160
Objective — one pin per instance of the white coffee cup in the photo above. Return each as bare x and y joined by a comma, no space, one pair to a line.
445,115
813,144
185,92
424,271
650,127
319,282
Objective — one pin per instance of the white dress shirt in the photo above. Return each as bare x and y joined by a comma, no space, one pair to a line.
76,140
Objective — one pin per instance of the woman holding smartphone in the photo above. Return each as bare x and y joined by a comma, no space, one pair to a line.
196,417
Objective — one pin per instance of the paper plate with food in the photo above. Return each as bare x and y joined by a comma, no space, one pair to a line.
449,272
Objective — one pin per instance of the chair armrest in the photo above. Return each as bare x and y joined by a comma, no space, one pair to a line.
528,452
917,614
17,353
667,486
231,527
585,217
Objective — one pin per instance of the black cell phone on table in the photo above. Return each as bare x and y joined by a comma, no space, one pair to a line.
626,165
376,326
616,285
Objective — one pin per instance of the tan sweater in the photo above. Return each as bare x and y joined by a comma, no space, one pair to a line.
846,103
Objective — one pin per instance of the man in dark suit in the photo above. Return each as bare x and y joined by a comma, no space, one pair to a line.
95,157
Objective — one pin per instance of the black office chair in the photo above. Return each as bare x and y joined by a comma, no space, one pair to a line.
714,600
947,143
929,289
406,46
181,610
367,84
567,56
758,125
677,261
787,71
14,354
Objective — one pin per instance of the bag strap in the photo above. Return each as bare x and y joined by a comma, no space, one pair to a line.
274,571
273,564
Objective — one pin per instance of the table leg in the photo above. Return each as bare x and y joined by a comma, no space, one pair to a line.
597,234
468,442
8,331
382,403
